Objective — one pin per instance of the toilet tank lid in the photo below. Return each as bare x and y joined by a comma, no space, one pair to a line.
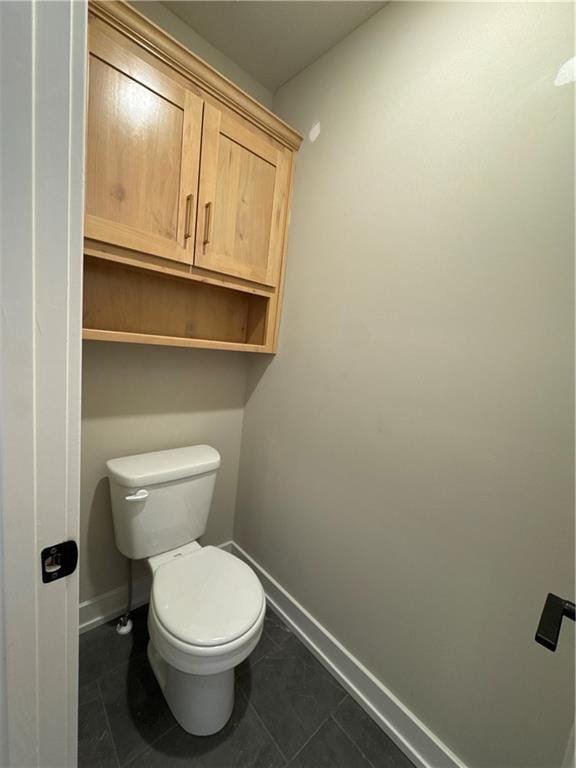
163,466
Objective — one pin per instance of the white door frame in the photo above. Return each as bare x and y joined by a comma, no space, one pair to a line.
42,66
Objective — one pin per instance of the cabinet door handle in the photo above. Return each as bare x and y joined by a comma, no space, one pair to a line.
207,223
187,228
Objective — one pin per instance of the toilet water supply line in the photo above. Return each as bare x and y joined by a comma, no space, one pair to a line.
124,626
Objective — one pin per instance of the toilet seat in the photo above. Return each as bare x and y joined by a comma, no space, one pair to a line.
208,598
206,612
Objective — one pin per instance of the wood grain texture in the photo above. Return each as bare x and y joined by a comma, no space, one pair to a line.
103,44
235,128
243,191
90,334
142,156
129,300
275,308
134,148
133,25
190,171
154,264
180,245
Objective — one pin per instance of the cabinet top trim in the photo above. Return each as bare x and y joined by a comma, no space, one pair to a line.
131,23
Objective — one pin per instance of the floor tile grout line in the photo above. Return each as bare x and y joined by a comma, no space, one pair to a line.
269,636
108,724
344,696
263,724
150,744
342,700
309,739
325,671
92,698
141,752
352,741
277,647
342,727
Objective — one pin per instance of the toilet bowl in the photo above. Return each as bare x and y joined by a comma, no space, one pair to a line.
206,616
207,607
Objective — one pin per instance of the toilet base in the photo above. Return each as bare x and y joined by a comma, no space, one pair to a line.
202,704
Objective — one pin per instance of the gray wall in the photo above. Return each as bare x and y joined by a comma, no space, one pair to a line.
144,398
179,30
407,462
138,399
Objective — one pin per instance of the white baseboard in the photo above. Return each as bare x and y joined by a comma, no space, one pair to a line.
110,605
404,728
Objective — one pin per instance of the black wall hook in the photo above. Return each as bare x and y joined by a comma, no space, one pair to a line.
555,608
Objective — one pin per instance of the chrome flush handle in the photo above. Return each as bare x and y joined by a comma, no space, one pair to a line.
140,495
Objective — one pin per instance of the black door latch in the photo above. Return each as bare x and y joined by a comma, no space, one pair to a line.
555,608
58,561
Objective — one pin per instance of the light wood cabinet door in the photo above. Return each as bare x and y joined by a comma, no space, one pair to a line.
242,201
143,145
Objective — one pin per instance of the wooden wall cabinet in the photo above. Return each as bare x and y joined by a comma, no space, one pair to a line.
188,187
242,201
142,154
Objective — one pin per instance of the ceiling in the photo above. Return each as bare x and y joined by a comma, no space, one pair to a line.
273,41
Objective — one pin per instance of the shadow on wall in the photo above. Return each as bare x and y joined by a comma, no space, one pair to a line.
258,366
99,534
139,398
124,379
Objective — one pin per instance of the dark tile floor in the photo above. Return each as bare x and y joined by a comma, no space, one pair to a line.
289,711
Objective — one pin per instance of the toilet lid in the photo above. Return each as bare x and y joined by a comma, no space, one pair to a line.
207,598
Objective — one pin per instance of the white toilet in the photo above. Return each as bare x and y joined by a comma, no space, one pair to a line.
207,606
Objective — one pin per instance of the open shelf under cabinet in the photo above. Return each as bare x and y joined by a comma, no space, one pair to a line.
134,305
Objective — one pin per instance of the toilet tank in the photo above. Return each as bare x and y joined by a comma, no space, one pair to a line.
161,500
